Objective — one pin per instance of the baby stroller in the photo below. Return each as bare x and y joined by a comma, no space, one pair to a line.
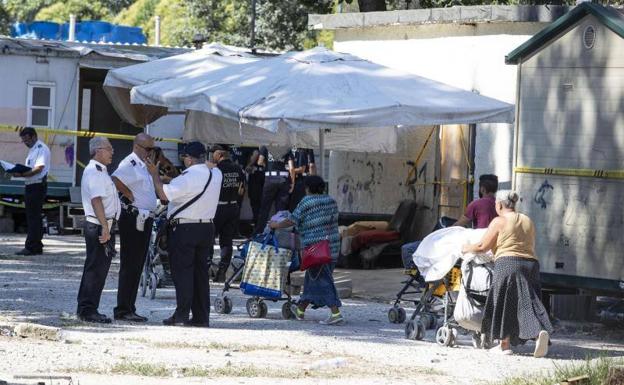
413,287
440,267
156,270
256,305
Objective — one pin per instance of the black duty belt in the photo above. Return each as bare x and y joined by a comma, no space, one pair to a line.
133,210
183,221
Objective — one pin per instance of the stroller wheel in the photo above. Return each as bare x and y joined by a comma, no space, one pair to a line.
219,305
428,320
228,305
286,312
410,330
153,284
255,308
420,330
444,336
394,316
223,305
143,283
264,308
402,315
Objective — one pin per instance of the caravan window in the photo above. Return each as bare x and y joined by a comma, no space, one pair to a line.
40,104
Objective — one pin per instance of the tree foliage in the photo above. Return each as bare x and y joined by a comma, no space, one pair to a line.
283,24
25,10
84,10
4,20
227,21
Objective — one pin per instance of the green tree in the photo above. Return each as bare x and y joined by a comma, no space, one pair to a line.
4,20
116,6
280,24
84,10
176,23
25,10
226,21
139,14
283,24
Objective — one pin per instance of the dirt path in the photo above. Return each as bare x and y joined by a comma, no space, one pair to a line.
236,349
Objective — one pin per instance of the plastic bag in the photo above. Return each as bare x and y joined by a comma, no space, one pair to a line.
265,269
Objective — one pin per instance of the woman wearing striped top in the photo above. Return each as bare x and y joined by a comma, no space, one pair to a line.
316,219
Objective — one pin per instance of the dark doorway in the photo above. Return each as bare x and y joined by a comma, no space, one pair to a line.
100,117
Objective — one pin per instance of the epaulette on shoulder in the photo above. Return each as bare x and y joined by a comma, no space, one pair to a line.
98,167
39,145
133,162
183,172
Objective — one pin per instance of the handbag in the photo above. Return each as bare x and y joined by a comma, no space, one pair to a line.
316,254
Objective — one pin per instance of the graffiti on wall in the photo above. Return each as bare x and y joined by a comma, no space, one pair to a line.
543,196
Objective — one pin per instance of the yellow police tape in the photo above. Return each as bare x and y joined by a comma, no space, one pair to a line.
84,134
589,173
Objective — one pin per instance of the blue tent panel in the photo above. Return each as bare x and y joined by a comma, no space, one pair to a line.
94,30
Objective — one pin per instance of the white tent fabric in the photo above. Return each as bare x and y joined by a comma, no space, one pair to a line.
319,88
118,82
210,128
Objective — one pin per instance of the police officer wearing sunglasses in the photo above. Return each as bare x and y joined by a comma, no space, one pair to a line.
138,202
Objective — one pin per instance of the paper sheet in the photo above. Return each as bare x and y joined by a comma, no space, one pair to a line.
6,165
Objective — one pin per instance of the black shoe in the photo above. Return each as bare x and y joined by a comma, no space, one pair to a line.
198,324
171,321
29,252
95,318
130,317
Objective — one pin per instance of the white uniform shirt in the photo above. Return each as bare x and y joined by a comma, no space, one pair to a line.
38,155
97,183
133,173
189,184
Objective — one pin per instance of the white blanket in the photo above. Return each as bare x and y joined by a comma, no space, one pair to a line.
439,251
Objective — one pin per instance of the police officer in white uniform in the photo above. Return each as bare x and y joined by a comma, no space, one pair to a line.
36,186
191,232
102,208
138,202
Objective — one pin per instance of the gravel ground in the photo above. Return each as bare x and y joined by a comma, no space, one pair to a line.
237,349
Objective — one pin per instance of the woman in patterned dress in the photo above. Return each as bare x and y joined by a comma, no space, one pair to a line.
316,219
514,312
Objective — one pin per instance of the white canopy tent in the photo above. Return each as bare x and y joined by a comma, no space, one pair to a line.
317,90
120,81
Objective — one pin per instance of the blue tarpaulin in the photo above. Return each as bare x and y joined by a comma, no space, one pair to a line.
99,31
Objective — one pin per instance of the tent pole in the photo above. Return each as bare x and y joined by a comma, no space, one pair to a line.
321,170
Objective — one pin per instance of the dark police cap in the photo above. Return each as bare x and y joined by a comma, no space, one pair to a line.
194,149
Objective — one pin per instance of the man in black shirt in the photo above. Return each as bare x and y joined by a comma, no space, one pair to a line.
276,189
228,210
300,165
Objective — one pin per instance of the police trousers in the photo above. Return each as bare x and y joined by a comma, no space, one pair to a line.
189,247
226,226
34,195
95,270
133,250
275,190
